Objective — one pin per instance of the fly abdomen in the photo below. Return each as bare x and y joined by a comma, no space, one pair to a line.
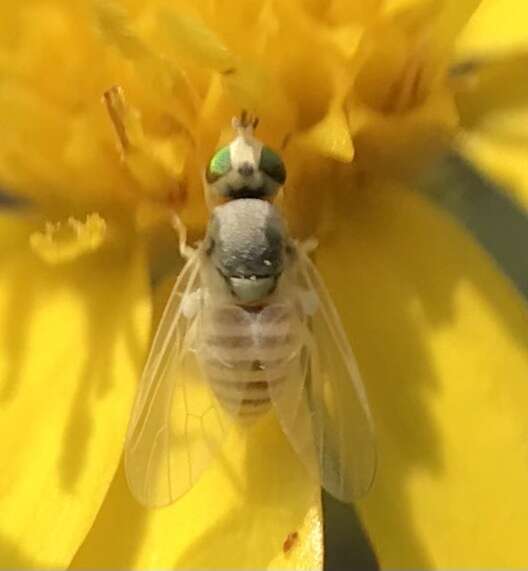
244,391
245,341
244,353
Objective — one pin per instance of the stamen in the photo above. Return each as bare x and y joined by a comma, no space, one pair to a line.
156,163
126,121
115,105
63,242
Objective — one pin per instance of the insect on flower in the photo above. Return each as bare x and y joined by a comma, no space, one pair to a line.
248,330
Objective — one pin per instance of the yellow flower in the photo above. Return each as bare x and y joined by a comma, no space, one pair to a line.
360,96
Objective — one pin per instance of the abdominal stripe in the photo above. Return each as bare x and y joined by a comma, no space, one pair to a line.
241,341
244,355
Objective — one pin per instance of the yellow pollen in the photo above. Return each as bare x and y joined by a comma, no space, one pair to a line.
63,242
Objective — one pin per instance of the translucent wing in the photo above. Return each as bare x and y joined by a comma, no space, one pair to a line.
176,425
290,396
341,416
324,409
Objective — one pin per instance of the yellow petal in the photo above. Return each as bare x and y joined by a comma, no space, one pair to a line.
494,112
237,516
251,86
404,142
446,18
343,11
497,26
503,161
496,98
452,18
72,338
164,85
58,144
330,137
191,39
408,52
441,339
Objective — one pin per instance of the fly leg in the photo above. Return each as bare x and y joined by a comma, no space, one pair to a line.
309,245
186,251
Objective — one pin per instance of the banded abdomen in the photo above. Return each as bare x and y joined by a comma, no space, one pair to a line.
245,351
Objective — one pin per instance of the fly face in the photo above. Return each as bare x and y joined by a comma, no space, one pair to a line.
245,243
245,168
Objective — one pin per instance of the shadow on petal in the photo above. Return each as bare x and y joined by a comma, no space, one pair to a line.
274,499
496,102
67,383
347,545
237,516
423,307
11,552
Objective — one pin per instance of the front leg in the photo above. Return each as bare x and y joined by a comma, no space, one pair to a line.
304,246
186,251
309,245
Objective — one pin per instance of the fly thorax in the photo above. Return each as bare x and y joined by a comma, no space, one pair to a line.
245,243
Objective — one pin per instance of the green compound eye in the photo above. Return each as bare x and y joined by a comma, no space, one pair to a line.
219,165
272,165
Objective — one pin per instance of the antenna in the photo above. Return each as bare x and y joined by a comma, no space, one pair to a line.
245,124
